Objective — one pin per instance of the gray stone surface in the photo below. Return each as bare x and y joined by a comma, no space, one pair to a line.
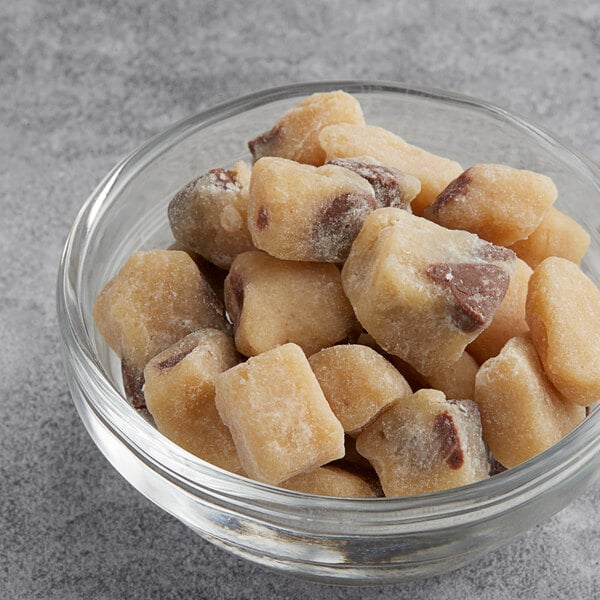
82,84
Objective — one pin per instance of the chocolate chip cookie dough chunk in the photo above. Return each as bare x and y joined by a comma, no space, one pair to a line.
157,298
180,394
296,134
425,443
272,301
422,291
357,382
209,215
563,313
522,413
499,203
557,235
278,416
434,172
331,481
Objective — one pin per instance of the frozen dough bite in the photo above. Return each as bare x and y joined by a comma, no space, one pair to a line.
296,134
563,313
425,443
521,412
424,292
332,481
180,394
434,172
272,301
357,382
209,215
157,298
501,204
278,416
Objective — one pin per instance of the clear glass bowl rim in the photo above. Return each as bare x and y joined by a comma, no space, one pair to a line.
468,503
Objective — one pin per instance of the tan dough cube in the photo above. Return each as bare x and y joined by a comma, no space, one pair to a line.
272,301
301,212
209,215
331,481
180,395
563,313
522,414
425,443
357,382
434,172
296,134
556,235
499,203
278,416
423,292
157,298
509,320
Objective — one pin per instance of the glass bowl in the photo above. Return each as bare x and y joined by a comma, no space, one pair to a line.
351,541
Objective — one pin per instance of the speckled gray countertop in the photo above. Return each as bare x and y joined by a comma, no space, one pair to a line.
82,84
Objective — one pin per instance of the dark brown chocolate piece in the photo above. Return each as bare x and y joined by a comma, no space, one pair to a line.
339,222
386,181
477,289
262,219
451,451
221,178
173,360
263,144
133,384
455,188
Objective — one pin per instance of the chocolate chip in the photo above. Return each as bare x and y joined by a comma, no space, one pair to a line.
173,360
339,222
455,188
221,178
262,145
496,253
445,430
133,383
386,181
262,219
477,290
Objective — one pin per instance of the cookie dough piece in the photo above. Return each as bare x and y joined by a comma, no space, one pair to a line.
301,212
556,235
499,203
157,298
425,443
209,215
563,313
522,414
434,172
331,481
180,395
278,416
422,291
296,134
272,301
509,320
357,382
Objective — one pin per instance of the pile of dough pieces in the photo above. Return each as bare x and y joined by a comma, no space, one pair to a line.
355,316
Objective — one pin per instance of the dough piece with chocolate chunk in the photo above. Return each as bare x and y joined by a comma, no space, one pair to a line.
434,172
357,382
422,291
209,215
278,416
509,320
331,481
157,298
180,395
500,204
300,212
272,301
296,134
425,443
563,313
556,235
522,414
